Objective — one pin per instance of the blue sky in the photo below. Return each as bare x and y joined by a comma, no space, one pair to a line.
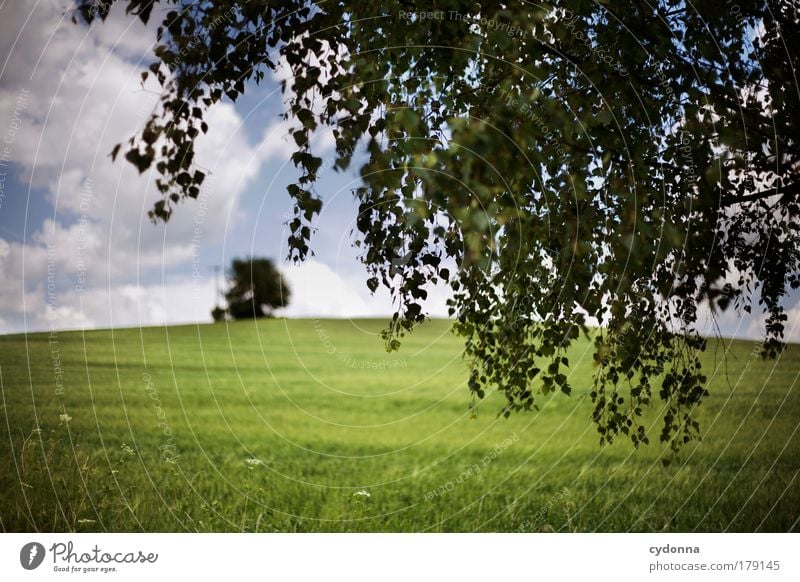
76,247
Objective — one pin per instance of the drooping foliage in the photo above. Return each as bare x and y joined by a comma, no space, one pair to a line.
630,163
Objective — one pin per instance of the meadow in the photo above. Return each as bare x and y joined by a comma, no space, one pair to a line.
309,425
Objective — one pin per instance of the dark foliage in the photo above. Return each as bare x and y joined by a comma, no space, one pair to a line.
636,162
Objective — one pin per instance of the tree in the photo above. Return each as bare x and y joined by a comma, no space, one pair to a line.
257,288
632,162
218,314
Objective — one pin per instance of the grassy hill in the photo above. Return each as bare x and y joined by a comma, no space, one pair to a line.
309,425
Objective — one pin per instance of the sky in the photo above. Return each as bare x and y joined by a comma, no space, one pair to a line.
76,247
77,250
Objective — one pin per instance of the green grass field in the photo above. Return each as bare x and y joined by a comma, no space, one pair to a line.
309,425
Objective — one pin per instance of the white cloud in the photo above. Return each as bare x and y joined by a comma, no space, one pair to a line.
83,95
319,291
128,305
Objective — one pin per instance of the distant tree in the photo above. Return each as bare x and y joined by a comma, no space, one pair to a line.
257,288
218,313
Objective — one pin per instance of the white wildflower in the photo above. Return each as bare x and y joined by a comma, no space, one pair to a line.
64,418
362,494
253,462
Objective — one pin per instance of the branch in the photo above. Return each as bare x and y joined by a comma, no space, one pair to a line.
793,188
